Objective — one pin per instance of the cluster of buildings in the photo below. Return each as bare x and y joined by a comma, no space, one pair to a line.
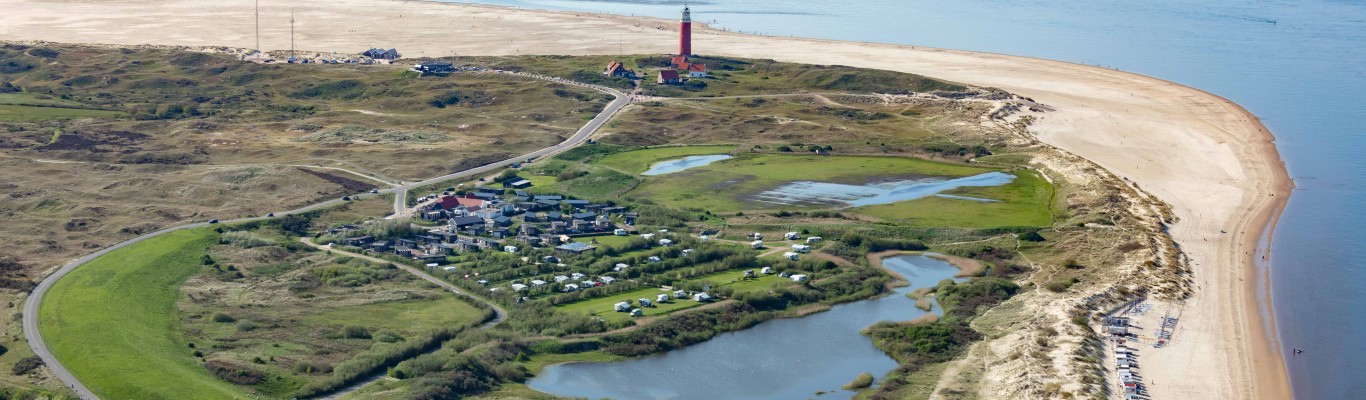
680,65
536,220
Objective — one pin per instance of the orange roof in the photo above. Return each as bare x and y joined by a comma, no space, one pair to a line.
668,74
697,67
615,66
679,61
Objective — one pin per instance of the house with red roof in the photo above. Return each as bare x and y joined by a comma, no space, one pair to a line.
696,70
616,68
668,77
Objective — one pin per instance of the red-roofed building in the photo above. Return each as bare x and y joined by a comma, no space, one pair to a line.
668,77
697,70
452,202
679,62
616,68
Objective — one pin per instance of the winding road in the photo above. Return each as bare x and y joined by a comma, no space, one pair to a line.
400,192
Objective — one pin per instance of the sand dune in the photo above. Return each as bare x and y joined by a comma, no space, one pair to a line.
1207,157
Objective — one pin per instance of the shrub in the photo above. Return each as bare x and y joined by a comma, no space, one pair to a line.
223,318
355,332
26,365
247,326
862,381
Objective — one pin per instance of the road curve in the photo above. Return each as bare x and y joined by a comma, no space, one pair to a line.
34,302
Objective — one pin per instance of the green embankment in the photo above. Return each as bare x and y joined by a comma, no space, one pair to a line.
638,161
113,324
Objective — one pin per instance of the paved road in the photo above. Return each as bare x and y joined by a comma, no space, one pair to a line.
401,193
31,307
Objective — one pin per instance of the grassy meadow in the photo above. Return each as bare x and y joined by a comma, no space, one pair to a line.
1026,201
112,322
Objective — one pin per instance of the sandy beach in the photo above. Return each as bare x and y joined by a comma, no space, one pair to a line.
1211,160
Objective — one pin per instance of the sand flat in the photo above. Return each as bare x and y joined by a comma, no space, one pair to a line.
1207,157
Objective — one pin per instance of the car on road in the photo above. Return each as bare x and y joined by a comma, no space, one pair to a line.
346,198
213,221
483,180
374,190
269,215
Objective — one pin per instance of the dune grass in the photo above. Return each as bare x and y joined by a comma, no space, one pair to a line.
113,322
21,113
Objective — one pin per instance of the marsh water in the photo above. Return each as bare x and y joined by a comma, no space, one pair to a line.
825,193
1299,65
675,165
778,359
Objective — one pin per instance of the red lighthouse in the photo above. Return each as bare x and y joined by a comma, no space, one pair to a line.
685,33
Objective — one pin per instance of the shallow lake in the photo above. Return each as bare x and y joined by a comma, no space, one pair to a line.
826,193
671,166
777,359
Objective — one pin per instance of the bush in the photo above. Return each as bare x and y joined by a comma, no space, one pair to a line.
243,239
1032,237
26,365
862,381
355,332
247,326
223,318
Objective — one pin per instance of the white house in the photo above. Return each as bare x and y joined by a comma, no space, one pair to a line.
797,277
510,249
801,248
791,256
757,244
622,307
792,236
702,297
517,287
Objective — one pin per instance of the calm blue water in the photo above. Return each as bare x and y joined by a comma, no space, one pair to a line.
671,166
779,359
1299,65
823,193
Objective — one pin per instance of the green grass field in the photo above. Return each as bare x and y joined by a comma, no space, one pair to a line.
725,185
414,315
18,113
637,161
113,322
1023,202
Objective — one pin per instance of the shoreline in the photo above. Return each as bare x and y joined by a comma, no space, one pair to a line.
1189,148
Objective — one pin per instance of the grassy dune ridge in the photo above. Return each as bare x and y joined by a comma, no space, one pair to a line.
112,322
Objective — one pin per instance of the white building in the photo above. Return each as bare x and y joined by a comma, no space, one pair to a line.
797,277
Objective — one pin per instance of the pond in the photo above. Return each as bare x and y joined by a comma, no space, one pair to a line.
777,359
671,166
826,193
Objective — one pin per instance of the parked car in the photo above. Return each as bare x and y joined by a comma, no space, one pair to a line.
346,198
213,221
269,215
374,190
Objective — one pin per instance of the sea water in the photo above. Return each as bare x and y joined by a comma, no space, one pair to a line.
1298,65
